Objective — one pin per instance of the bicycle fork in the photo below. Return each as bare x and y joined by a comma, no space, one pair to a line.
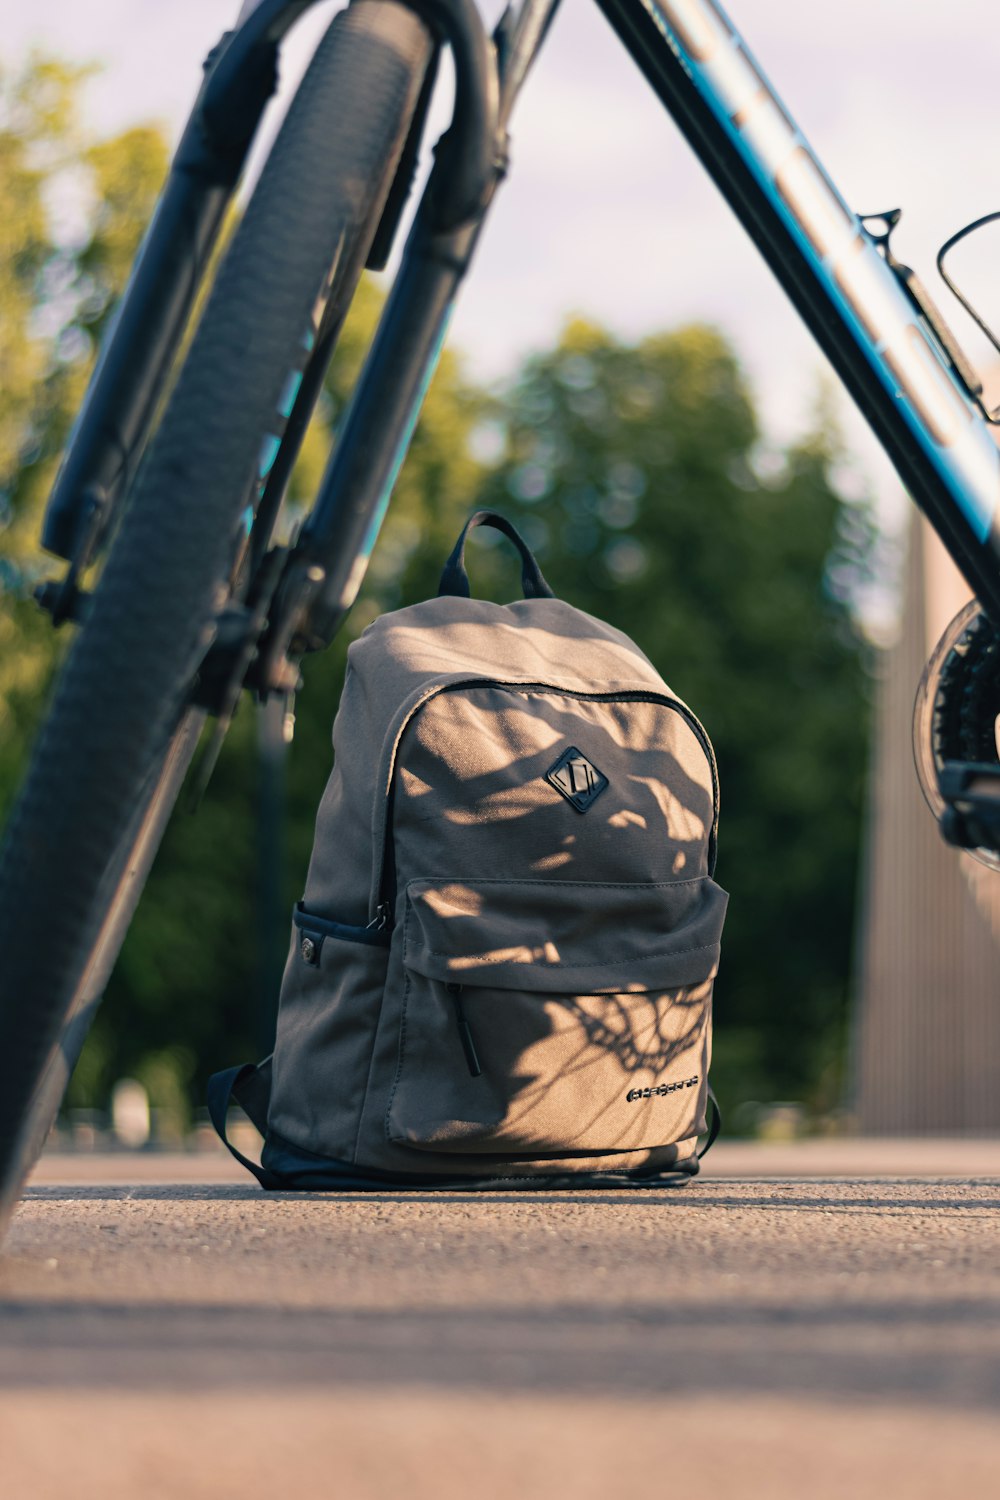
327,565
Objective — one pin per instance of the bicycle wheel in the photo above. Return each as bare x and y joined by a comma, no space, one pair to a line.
121,695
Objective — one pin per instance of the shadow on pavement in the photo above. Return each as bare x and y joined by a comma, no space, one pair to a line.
948,1352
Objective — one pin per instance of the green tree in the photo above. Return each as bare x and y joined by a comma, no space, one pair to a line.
633,471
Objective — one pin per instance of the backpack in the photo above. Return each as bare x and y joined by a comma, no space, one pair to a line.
501,969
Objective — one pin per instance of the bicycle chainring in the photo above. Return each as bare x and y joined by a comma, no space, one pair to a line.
955,716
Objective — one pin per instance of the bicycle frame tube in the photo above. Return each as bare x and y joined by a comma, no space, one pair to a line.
884,351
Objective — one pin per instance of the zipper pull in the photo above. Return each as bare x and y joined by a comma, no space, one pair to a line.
464,1034
381,919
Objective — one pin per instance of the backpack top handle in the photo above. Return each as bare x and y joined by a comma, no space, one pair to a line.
454,578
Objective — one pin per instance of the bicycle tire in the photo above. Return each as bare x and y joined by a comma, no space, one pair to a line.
123,687
120,896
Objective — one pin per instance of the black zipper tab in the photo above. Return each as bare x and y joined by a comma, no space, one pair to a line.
464,1034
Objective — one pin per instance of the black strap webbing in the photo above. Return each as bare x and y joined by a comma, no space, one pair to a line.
715,1124
250,1086
454,578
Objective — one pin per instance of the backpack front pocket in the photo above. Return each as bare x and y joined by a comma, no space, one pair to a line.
554,1018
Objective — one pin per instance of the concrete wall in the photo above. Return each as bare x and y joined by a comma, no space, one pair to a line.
927,1034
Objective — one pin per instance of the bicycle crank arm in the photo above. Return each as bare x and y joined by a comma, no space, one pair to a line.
971,819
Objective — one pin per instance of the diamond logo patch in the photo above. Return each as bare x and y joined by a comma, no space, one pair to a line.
579,781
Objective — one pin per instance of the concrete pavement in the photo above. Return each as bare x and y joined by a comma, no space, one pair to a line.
762,1335
832,1156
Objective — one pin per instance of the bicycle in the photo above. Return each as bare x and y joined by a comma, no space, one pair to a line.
194,602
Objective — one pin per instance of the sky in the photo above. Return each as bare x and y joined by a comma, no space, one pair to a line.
606,212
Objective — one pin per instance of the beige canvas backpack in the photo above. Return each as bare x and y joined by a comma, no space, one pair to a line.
502,965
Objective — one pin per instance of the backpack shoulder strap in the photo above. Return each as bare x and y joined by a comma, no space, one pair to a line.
250,1086
715,1125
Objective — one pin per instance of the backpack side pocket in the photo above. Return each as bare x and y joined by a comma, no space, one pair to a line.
330,999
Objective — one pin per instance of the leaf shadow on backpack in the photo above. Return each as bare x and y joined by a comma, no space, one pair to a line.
464,767
530,879
589,1054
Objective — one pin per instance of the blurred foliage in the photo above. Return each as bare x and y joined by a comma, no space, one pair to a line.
637,473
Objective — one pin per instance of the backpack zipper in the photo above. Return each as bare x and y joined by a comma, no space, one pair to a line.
464,1031
387,865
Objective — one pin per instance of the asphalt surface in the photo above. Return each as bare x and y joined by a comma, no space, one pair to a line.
750,1336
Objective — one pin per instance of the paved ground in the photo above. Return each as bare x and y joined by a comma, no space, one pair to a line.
757,1334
